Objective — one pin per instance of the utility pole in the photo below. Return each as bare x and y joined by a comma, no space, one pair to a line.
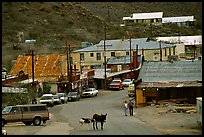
130,35
32,66
108,14
68,73
105,56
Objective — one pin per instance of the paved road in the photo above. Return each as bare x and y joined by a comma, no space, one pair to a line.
110,102
65,118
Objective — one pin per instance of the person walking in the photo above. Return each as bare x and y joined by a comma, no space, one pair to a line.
130,106
126,107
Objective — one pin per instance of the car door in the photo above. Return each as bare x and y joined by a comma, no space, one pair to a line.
14,115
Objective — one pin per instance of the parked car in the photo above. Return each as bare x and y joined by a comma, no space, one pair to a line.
63,97
116,84
127,82
90,92
57,100
47,99
28,114
131,91
73,96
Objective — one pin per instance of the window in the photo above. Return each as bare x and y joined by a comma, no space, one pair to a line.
169,51
98,56
25,109
112,54
91,54
136,21
37,108
174,52
81,56
15,110
165,52
127,53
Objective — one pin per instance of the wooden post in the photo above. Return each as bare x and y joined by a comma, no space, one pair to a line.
160,50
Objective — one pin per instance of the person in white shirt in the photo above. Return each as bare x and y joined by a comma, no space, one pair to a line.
126,107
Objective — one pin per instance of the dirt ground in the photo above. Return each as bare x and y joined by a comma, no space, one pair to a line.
166,120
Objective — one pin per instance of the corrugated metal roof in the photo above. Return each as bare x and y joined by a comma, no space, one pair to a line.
47,67
152,15
124,45
178,19
171,72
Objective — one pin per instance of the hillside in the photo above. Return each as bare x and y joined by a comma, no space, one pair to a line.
51,23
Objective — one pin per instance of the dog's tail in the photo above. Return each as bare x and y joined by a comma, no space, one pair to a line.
93,120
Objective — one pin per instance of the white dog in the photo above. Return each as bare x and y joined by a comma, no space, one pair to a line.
86,121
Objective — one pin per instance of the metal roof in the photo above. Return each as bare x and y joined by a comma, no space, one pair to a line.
47,67
152,15
124,45
126,18
177,71
178,19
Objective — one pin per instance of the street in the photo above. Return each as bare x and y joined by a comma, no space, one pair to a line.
65,118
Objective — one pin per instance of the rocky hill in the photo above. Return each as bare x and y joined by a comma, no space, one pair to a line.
52,23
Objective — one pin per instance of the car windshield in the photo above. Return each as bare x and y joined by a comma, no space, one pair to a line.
127,80
46,97
6,110
116,81
60,94
72,93
55,97
87,90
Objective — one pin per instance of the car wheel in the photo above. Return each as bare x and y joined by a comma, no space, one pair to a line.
37,121
3,122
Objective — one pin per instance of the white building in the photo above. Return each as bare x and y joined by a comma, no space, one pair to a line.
152,17
180,21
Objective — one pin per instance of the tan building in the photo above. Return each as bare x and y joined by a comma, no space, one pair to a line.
187,47
93,56
169,80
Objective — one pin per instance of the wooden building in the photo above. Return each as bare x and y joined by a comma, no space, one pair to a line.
169,80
